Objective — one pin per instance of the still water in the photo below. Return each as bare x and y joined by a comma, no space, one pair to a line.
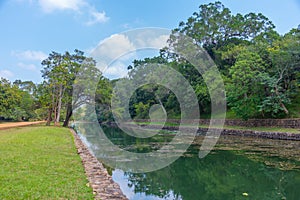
237,168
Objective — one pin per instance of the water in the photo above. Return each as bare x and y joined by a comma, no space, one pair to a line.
238,168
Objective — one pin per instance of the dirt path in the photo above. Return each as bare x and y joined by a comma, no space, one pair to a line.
18,124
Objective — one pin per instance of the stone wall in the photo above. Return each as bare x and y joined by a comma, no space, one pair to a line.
281,123
103,186
260,134
247,133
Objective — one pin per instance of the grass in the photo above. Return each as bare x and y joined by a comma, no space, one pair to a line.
40,162
263,129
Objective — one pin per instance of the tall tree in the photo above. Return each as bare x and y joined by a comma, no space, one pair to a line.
55,73
214,24
60,72
81,83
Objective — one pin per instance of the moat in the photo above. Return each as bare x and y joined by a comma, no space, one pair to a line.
237,168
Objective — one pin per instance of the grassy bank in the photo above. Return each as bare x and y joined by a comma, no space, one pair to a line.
41,163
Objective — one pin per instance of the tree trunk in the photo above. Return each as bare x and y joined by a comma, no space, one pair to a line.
68,114
281,103
284,108
50,111
59,106
49,118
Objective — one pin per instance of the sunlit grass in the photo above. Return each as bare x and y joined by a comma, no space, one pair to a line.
41,163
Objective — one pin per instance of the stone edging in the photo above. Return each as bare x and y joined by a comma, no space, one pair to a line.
260,134
282,123
101,182
247,133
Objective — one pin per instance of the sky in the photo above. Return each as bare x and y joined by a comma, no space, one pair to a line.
31,29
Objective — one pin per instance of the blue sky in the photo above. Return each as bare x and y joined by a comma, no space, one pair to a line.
31,29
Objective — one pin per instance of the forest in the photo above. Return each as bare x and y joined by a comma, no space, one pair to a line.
260,69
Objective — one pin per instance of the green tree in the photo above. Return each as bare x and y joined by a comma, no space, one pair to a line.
214,24
243,87
283,82
60,72
17,103
10,98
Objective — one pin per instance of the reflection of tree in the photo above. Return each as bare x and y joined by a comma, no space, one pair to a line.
237,166
221,175
138,145
125,141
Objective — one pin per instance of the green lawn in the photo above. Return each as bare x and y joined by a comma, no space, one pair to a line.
41,162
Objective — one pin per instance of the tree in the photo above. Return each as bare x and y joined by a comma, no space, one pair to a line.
243,87
285,60
214,24
55,73
17,103
60,72
103,100
27,86
10,98
44,102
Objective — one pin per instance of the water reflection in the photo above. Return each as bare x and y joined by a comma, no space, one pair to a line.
220,175
260,168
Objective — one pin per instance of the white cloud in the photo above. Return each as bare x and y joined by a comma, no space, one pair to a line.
80,7
152,38
116,70
6,74
97,17
30,67
112,48
115,53
159,42
51,5
30,55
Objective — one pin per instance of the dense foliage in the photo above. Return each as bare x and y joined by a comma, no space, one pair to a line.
17,100
260,68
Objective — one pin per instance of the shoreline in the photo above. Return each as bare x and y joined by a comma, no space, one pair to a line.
236,132
246,133
100,181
